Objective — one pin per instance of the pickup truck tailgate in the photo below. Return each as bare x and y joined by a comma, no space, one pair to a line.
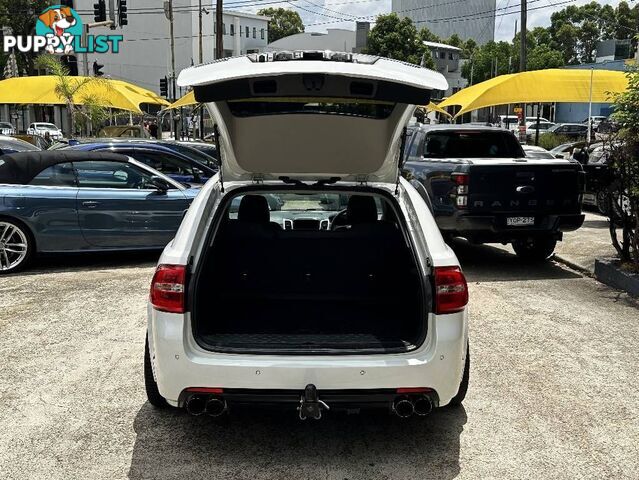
525,187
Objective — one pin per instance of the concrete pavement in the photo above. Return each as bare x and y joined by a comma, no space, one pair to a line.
552,390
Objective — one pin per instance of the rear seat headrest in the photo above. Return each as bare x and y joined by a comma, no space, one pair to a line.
361,209
254,209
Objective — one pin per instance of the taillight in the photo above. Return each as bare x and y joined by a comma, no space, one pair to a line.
461,181
167,288
451,291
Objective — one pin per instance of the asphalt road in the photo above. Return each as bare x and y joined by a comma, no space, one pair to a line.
553,388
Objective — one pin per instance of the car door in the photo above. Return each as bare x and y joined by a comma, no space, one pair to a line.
118,206
48,203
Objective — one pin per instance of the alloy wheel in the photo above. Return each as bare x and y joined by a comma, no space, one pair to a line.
14,246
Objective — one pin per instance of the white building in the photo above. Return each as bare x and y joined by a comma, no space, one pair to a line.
145,52
449,63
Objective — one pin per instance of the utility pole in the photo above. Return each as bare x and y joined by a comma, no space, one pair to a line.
200,34
522,66
219,23
522,38
168,12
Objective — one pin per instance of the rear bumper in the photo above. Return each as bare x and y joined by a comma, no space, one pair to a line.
493,228
179,364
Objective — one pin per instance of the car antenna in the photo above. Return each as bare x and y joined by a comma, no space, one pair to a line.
218,150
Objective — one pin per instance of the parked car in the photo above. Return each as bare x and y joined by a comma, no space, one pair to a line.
533,151
203,147
13,145
570,130
123,131
36,140
599,177
42,128
531,128
482,187
68,201
595,121
176,165
511,122
565,150
312,307
7,128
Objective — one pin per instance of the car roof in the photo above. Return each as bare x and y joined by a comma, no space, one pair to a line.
534,148
21,168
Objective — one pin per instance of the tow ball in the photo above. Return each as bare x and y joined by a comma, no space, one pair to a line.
310,405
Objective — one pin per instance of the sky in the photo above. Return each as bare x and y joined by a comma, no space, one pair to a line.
318,15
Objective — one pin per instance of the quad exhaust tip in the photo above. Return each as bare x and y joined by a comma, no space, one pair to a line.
215,407
403,407
423,405
196,404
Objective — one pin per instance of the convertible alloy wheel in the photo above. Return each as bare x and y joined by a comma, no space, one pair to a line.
14,247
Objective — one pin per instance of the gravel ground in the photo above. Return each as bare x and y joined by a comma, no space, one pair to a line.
552,391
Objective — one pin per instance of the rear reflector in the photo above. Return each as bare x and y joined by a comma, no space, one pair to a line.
451,290
167,288
205,390
413,390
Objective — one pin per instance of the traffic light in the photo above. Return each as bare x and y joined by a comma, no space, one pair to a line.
97,69
71,62
122,15
99,11
164,87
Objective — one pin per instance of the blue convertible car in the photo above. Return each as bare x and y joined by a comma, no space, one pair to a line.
69,201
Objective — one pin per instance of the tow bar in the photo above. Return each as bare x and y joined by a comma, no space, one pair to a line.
310,404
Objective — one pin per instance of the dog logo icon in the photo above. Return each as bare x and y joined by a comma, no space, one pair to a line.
59,21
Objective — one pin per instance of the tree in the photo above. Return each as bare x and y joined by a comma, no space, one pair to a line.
92,109
493,58
624,161
20,17
397,38
283,22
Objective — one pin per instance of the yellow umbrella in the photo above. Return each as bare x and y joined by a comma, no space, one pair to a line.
433,107
111,93
543,86
186,100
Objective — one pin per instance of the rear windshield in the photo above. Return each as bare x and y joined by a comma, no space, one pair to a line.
471,144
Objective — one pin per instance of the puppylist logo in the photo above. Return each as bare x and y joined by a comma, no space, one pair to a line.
59,30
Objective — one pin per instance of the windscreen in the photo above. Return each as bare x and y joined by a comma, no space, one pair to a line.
471,144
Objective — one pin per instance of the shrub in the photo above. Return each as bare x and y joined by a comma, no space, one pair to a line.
551,140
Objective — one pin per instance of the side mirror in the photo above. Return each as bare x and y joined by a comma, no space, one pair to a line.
159,183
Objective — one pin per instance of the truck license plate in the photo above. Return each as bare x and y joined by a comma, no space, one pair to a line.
520,221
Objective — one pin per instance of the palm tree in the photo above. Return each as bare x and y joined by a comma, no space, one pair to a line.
69,89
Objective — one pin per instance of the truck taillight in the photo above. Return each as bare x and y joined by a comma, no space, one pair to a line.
461,181
451,290
167,288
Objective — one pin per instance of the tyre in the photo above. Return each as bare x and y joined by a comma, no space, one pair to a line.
463,386
152,392
16,246
536,250
603,202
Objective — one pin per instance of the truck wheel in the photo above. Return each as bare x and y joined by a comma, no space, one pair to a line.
152,392
536,250
603,202
463,386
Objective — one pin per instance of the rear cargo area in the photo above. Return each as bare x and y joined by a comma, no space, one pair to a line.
266,288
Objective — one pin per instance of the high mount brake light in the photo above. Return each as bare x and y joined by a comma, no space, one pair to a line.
168,287
451,290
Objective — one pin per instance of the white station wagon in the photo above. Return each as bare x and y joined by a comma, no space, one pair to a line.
308,274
